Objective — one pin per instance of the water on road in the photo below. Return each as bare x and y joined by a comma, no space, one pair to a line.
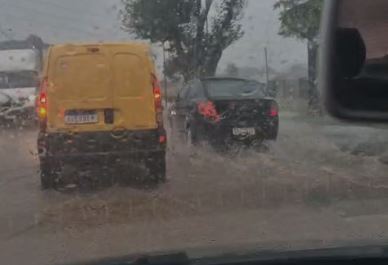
322,183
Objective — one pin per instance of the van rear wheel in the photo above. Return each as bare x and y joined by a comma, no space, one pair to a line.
157,167
47,176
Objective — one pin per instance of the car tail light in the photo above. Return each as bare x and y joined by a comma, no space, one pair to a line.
162,139
208,110
274,110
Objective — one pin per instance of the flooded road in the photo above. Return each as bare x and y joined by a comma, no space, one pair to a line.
322,182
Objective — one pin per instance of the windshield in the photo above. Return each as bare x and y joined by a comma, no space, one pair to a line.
18,80
234,89
148,126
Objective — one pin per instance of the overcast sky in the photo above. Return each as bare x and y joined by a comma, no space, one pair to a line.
59,21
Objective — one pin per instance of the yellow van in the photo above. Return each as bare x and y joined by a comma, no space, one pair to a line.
100,101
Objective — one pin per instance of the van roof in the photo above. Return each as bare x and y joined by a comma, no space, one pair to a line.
140,46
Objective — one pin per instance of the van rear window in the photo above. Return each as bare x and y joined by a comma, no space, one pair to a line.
131,76
83,75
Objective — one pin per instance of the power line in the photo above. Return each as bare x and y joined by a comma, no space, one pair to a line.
60,16
50,26
71,10
31,10
56,18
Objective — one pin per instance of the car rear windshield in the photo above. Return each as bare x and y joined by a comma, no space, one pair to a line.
18,80
234,89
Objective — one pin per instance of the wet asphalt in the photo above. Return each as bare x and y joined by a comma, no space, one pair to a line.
319,176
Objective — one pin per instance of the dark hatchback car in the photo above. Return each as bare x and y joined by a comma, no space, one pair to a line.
224,111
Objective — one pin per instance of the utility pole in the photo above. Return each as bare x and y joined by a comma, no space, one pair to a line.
164,74
266,66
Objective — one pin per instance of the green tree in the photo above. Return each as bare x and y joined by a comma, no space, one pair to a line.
197,31
301,19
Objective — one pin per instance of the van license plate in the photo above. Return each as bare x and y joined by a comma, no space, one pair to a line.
244,131
81,118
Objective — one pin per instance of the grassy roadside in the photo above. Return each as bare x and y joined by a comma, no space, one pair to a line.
327,120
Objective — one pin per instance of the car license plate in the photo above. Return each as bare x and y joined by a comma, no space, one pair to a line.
81,118
244,131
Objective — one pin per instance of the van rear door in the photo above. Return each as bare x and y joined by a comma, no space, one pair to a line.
100,88
133,92
80,88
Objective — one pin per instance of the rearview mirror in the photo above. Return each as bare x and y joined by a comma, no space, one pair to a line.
354,59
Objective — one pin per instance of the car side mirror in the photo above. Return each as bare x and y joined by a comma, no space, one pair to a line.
350,52
353,70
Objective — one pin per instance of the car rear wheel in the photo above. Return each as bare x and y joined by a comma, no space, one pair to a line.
191,138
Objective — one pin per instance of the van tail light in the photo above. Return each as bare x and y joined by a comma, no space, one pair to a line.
42,103
158,101
158,98
208,110
274,110
157,92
